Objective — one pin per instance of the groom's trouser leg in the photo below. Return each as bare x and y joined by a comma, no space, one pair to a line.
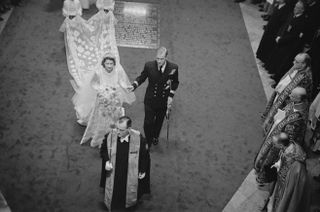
148,125
160,114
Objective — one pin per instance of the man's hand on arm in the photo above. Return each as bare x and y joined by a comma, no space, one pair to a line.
133,86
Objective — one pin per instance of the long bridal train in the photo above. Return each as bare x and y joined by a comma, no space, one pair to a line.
87,42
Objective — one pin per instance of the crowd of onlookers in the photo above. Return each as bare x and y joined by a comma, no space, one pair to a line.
291,135
290,51
5,6
292,26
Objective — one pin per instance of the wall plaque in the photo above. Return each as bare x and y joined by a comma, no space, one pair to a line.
138,24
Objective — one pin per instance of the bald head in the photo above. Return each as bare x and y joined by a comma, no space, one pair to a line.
299,91
298,94
283,136
301,61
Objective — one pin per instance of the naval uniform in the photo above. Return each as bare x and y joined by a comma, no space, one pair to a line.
163,82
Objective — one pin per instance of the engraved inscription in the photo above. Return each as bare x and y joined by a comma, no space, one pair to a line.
138,24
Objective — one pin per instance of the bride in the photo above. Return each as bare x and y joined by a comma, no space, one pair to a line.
99,103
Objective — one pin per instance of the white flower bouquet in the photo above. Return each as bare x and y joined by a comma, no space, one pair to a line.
110,103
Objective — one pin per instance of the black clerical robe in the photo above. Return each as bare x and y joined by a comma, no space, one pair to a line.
268,43
122,171
288,46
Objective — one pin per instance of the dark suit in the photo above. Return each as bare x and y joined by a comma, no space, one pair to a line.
160,87
312,22
268,43
289,45
314,53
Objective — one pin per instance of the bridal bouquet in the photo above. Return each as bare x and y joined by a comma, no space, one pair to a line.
110,103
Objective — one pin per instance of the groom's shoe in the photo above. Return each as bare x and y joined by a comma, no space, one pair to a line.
155,141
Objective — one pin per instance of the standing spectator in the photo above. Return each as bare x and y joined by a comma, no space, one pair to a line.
298,76
289,42
291,190
268,43
292,121
264,171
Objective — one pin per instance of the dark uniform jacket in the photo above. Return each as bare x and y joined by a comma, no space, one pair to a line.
161,85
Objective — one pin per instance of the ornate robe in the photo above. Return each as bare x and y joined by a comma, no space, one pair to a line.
293,124
278,101
291,193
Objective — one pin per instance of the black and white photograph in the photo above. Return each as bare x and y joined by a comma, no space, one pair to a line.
160,105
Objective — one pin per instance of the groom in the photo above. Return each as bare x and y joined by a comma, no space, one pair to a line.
163,82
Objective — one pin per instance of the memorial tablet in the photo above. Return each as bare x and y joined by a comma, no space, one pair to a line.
138,24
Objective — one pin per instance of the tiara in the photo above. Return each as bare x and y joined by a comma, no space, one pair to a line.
110,55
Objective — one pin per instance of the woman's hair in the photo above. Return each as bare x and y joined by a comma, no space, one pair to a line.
108,58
